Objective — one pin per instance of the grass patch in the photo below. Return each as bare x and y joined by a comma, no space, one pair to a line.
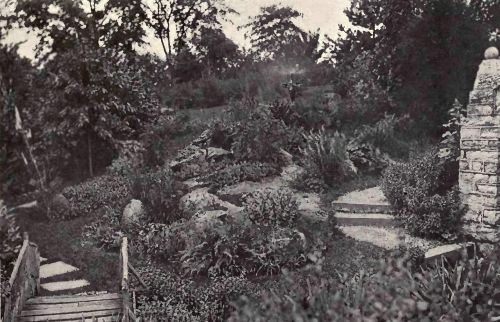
61,241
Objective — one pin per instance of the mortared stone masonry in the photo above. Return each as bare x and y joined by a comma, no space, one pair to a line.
480,153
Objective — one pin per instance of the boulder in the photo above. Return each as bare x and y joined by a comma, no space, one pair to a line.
204,218
60,207
193,154
202,200
187,155
133,214
217,154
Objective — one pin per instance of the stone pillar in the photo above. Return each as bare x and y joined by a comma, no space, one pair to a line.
480,153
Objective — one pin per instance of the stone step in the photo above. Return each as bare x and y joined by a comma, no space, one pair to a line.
451,252
370,200
362,208
384,237
64,285
365,219
55,269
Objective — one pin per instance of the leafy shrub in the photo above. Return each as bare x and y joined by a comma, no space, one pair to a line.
245,171
465,291
325,156
316,111
283,110
212,92
104,232
261,137
272,208
157,138
433,216
164,241
160,193
130,157
87,197
421,191
233,249
309,182
11,240
372,144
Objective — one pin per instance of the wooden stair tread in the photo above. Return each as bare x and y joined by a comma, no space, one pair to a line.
108,315
74,305
51,310
72,298
104,307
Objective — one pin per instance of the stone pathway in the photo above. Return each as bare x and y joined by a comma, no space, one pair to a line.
59,277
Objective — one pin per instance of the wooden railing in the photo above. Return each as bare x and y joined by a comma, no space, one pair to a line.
128,315
24,282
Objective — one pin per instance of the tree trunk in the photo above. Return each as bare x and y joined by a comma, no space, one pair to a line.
89,144
167,56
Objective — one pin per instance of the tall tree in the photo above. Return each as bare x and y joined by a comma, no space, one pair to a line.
215,51
176,21
95,91
423,54
274,31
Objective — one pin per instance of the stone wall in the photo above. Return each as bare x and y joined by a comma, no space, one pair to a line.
480,153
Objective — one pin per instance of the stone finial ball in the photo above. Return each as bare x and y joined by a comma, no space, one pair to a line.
491,53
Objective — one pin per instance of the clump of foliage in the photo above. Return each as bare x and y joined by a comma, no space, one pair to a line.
160,192
130,158
176,298
234,249
164,241
267,239
11,237
159,137
105,231
464,291
273,208
371,145
244,171
309,182
325,155
260,138
10,243
91,195
421,191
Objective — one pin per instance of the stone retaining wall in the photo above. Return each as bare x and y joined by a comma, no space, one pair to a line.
480,154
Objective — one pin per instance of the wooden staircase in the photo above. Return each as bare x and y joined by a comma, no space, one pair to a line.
23,303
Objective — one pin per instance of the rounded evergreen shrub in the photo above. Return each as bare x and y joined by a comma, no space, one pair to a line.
423,195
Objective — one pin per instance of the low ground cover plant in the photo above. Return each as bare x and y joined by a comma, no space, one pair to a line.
107,190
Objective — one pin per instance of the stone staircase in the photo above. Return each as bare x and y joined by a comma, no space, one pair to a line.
366,216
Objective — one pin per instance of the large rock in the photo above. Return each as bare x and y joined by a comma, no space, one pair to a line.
193,154
133,214
202,200
60,207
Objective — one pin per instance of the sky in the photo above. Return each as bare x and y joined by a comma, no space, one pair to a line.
323,14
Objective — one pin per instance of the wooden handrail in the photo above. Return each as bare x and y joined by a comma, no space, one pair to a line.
127,314
24,282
